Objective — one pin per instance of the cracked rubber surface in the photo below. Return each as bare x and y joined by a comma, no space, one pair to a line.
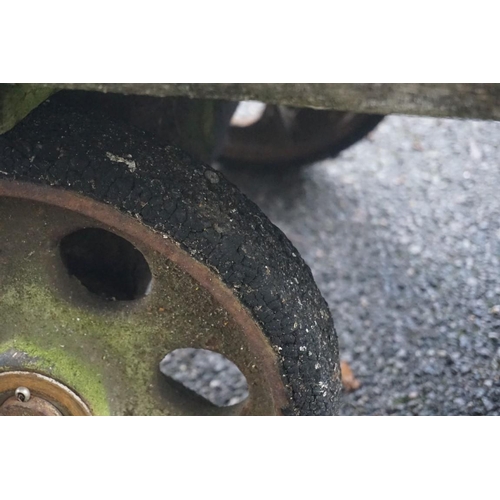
62,146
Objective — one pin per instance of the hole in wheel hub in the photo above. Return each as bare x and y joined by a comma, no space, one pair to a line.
33,394
108,351
106,264
207,373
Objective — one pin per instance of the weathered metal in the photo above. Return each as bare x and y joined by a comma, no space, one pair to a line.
48,397
35,407
109,351
23,394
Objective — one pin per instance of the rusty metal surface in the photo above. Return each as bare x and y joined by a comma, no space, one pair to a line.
35,407
123,343
49,397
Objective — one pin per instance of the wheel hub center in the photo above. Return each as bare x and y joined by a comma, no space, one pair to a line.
33,394
35,407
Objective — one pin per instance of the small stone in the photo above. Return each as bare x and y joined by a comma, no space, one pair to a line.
487,404
415,249
212,176
495,310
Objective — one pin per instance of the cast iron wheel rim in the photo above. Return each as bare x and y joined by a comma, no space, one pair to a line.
63,213
285,136
252,297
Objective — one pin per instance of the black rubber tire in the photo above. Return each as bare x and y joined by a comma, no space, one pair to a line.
61,146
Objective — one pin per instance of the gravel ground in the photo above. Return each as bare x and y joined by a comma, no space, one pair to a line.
402,232
207,373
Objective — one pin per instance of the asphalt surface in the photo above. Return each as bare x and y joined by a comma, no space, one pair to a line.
402,233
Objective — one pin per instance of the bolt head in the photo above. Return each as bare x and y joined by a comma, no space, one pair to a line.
23,394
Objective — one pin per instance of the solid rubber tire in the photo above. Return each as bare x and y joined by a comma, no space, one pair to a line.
65,147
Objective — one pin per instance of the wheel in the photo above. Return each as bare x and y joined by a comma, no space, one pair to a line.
116,252
284,136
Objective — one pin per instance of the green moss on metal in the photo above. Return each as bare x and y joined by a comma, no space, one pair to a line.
71,371
108,352
65,327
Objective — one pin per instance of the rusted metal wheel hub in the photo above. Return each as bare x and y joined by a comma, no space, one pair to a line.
91,301
33,394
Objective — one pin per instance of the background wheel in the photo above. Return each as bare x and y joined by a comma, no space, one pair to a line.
116,252
283,136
